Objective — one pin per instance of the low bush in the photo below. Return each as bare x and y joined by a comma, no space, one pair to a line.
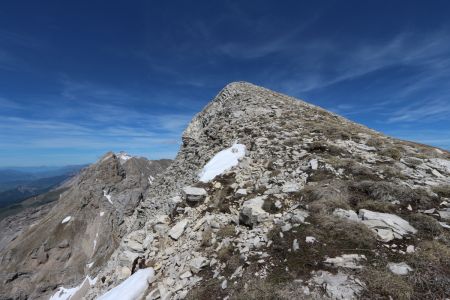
348,234
431,274
392,152
385,207
428,226
442,190
380,283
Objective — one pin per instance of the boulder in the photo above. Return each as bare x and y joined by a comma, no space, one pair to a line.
194,195
444,214
198,263
338,286
386,226
176,231
298,216
399,268
290,187
346,214
252,212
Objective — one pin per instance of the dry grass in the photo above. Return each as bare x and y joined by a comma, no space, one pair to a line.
387,192
351,235
326,198
380,283
375,142
428,226
392,152
206,237
385,207
392,173
225,253
431,275
226,231
442,190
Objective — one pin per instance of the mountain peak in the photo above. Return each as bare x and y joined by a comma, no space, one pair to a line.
270,194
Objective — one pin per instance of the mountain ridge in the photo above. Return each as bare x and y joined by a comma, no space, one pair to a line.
297,154
317,207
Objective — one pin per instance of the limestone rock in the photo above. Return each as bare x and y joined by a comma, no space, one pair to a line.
387,226
346,214
399,268
350,261
198,263
194,195
338,286
176,231
252,212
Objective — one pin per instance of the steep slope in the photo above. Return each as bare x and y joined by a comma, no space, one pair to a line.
81,230
317,207
21,182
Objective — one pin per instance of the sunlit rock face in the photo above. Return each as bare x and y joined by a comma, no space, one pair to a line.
76,237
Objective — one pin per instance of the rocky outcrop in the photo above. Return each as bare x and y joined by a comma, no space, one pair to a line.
77,235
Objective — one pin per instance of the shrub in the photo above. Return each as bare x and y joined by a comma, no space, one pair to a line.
326,198
442,190
226,231
388,192
431,274
328,205
392,173
349,234
428,226
225,253
385,207
385,284
206,237
374,142
393,153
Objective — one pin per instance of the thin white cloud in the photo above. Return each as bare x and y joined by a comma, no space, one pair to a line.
434,110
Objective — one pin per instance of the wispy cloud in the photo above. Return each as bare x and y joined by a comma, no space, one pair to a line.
325,62
432,110
84,118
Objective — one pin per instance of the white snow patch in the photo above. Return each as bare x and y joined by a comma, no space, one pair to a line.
123,157
89,265
222,161
150,179
67,294
102,213
107,196
66,219
132,288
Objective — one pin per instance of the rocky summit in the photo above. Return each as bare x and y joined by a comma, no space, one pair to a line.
269,197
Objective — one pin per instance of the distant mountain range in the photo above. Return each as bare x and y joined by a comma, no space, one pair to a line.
20,183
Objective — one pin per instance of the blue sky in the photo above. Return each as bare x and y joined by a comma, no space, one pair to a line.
79,78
